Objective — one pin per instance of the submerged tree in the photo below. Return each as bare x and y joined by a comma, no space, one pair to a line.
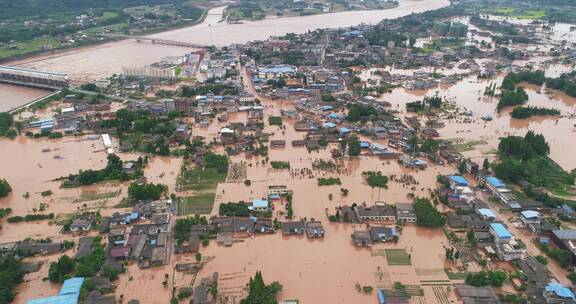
260,293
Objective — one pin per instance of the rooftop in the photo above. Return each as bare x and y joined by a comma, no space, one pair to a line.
495,182
560,291
530,214
500,230
459,180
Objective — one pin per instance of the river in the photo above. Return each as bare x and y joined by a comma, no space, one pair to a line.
13,96
94,62
99,61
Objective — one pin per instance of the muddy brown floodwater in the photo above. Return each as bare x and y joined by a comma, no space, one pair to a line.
90,63
469,95
12,96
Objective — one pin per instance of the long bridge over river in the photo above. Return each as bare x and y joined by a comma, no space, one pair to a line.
157,41
33,78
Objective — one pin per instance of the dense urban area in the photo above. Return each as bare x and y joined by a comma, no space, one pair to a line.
251,151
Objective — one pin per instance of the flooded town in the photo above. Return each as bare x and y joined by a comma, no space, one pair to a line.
407,152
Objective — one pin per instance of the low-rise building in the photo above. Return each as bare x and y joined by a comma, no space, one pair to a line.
375,213
293,228
314,229
362,238
405,213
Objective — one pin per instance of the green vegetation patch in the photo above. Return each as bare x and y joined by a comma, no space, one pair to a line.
518,13
275,120
280,165
96,196
329,181
200,179
196,204
455,275
468,146
397,257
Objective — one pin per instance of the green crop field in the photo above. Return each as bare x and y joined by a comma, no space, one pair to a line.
397,257
196,204
96,196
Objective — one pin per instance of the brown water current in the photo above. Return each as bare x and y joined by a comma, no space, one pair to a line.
103,60
14,96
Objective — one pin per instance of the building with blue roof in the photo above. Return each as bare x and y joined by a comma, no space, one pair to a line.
328,125
495,184
500,233
364,145
381,296
555,291
259,205
486,213
276,71
457,181
69,293
71,286
344,131
337,116
65,299
530,218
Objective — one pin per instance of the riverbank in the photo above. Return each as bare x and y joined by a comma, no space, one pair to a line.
89,44
95,62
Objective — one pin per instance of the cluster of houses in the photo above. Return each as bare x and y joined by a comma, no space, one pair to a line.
475,214
498,242
82,115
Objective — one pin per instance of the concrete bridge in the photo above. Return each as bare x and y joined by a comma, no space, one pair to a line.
33,78
157,41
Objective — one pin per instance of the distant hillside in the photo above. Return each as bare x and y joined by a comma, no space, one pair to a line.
15,8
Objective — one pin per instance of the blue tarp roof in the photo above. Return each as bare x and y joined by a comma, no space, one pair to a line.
560,290
381,296
328,125
486,212
280,68
495,182
260,203
344,130
71,286
337,116
500,230
68,294
364,144
274,196
459,180
65,299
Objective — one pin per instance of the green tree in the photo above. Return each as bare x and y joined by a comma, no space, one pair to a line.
429,146
11,274
61,269
486,164
5,188
426,214
146,191
354,147
260,293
